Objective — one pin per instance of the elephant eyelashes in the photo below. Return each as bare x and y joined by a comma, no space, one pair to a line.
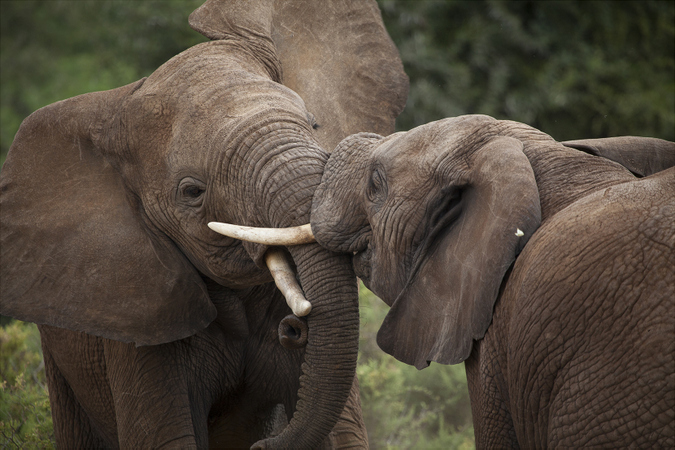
191,191
377,186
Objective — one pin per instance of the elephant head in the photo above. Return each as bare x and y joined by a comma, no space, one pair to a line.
434,218
106,196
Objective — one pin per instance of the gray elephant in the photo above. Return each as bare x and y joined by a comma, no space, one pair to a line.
547,269
157,331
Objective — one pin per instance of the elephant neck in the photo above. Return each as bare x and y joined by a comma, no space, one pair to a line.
564,175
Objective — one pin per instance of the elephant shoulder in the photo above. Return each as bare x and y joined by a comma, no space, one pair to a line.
619,233
598,270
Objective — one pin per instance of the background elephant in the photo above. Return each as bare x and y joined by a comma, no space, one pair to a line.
548,270
105,200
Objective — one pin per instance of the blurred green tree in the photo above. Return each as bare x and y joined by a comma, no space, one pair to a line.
574,69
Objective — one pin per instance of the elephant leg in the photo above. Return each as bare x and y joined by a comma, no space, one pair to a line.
151,392
350,431
492,421
72,425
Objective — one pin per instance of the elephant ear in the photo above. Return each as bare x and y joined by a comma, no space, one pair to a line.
336,54
449,298
76,253
641,155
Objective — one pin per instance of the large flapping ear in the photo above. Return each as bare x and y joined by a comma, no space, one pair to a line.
641,155
449,298
336,54
75,251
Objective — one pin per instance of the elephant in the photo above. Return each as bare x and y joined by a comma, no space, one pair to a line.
546,267
156,330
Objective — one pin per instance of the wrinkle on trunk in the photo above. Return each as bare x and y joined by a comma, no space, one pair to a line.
280,165
330,356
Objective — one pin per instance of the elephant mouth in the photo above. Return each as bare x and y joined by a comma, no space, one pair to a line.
277,261
361,261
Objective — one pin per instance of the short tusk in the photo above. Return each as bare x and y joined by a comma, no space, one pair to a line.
268,236
284,277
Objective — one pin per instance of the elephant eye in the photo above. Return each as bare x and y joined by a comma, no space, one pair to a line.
191,191
312,121
377,186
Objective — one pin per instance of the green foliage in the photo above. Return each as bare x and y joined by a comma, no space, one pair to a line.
25,417
403,407
574,69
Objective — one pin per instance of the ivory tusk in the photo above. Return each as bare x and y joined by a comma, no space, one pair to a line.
284,278
268,236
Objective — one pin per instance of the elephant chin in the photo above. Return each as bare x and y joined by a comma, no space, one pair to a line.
331,351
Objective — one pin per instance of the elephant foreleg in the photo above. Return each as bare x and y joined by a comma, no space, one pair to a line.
152,398
492,421
72,425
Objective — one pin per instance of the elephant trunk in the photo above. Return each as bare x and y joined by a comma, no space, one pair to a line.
330,356
289,166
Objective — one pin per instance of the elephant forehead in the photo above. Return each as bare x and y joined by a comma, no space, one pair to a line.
427,146
195,122
216,79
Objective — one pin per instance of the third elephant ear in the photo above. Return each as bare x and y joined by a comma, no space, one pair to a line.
643,156
336,54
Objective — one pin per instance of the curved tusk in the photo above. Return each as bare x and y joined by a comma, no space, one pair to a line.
284,278
268,236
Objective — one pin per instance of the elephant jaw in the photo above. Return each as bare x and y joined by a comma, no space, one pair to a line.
277,261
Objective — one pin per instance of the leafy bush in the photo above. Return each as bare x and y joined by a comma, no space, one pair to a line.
25,417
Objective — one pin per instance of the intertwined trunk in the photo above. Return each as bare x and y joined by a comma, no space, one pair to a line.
288,168
330,356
